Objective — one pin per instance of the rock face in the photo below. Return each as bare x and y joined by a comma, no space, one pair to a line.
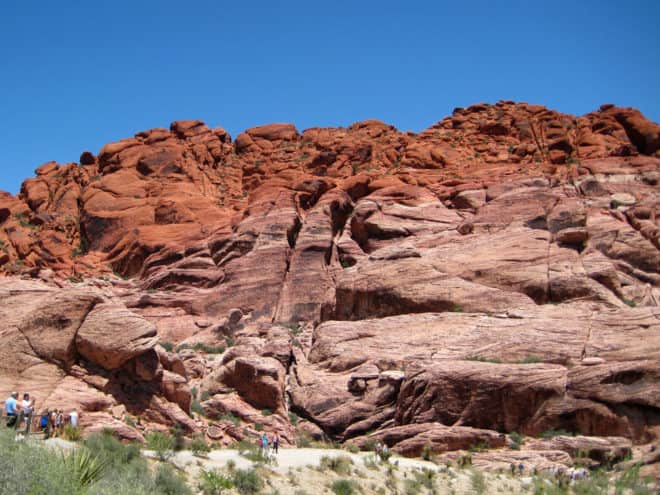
498,272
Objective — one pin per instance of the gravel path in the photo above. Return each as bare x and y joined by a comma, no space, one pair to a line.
285,459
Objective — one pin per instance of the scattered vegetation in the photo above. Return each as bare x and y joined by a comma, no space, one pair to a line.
457,308
199,447
72,433
100,465
293,418
197,408
201,347
530,360
266,412
339,464
213,482
517,440
483,359
247,481
161,444
478,482
229,417
295,328
345,487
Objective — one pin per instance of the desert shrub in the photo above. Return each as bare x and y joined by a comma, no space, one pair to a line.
72,433
304,440
168,346
339,464
293,419
199,447
102,466
352,448
231,418
478,482
411,487
161,444
266,412
111,450
345,487
214,483
247,481
425,477
178,440
169,482
516,440
197,408
427,452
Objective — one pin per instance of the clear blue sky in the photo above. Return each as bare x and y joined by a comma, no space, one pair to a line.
77,74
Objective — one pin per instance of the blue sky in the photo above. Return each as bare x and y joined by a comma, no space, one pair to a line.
75,75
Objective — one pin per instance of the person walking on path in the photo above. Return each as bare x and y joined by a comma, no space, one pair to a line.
275,443
264,445
11,409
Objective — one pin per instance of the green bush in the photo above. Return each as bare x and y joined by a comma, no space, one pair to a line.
72,433
111,450
161,444
199,447
345,487
102,466
169,482
214,483
293,419
247,481
516,440
231,418
197,408
168,346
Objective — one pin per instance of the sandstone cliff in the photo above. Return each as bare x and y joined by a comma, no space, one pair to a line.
495,273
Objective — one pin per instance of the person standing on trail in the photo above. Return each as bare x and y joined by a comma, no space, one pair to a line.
27,408
275,443
11,409
264,444
73,418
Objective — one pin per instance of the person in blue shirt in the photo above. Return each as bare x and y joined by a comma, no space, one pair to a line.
11,409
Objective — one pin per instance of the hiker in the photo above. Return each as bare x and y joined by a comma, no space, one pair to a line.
52,421
59,422
27,408
275,443
264,444
11,409
73,418
44,423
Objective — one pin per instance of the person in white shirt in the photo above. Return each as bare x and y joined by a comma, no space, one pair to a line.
27,408
73,418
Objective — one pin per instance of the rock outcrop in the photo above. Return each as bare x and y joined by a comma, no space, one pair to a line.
498,272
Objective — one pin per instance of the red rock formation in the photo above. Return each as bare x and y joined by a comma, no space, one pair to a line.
497,272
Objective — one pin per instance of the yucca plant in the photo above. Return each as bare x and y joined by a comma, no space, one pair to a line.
84,467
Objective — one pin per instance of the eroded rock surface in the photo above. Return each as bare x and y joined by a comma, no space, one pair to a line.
498,272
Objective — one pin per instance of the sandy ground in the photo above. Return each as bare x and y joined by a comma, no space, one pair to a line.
297,472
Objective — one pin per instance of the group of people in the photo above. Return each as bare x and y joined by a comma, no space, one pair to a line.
271,445
51,422
17,412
